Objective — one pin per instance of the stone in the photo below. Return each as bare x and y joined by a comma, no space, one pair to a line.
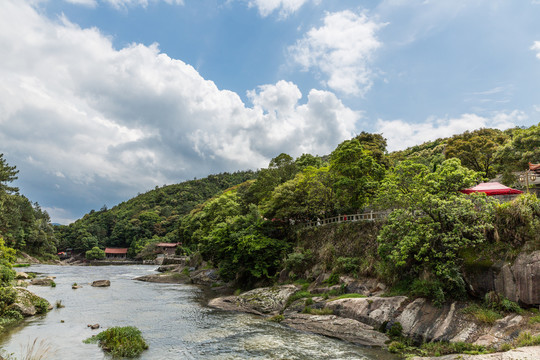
41,282
205,277
165,268
524,353
519,282
25,302
21,275
371,310
93,326
336,327
168,278
101,283
76,286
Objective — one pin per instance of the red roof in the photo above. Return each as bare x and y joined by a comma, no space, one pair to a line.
171,245
492,188
534,167
116,250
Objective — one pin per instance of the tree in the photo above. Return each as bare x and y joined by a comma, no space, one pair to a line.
433,222
376,144
356,174
476,149
522,149
7,175
280,169
95,254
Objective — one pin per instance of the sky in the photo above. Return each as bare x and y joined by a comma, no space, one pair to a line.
103,99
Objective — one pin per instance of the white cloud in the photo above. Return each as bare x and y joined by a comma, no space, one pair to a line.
536,47
84,116
401,135
89,3
285,7
341,49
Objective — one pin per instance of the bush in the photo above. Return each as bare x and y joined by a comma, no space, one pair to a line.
526,339
41,305
347,265
299,261
518,221
95,254
120,341
482,314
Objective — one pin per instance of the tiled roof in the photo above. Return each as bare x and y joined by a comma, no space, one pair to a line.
116,250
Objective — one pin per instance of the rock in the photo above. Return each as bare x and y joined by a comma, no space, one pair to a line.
76,286
41,282
22,283
422,321
93,326
373,310
524,353
205,277
270,300
21,275
165,268
504,330
28,304
177,260
101,283
168,278
519,282
336,327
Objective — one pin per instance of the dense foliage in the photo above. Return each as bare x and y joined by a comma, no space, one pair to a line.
23,225
121,342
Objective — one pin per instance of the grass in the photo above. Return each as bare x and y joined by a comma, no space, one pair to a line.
298,295
311,311
20,265
482,314
124,341
348,296
38,351
277,318
526,339
437,349
59,304
534,319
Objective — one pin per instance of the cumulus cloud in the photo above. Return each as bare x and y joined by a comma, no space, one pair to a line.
89,120
342,50
285,7
401,135
89,3
536,48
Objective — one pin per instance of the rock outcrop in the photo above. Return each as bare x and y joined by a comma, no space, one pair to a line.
28,303
524,353
259,301
519,282
337,327
42,282
101,283
167,278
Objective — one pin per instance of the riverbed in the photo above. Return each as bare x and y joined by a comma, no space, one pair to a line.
173,319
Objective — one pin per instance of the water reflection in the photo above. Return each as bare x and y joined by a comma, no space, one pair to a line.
172,318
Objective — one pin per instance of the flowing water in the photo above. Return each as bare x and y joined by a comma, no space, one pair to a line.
172,318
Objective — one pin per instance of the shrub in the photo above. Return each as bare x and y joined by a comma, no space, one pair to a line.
120,341
534,319
482,314
299,261
347,265
526,339
95,254
277,318
41,305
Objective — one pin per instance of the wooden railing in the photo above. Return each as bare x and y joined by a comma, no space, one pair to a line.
368,216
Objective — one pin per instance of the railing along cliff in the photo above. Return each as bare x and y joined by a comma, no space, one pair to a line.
368,216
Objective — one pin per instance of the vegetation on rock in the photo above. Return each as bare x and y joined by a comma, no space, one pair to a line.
124,341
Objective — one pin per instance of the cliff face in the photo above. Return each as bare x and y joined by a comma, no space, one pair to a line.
519,282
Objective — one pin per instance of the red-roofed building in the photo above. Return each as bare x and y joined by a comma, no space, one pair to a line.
116,253
534,167
501,192
167,248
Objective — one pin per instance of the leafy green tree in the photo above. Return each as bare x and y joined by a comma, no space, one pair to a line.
356,175
95,254
7,175
477,149
306,160
376,144
522,149
433,222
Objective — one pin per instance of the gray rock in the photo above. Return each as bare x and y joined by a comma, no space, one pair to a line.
372,310
21,275
519,282
204,277
168,278
41,282
24,302
336,327
165,268
101,283
524,353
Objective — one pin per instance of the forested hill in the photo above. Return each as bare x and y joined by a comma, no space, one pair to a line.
152,216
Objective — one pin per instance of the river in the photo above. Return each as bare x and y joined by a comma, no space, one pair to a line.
172,318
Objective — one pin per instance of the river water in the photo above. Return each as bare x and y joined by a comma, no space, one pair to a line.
172,318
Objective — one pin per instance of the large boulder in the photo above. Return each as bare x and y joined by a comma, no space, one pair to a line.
101,283
519,282
28,303
20,275
337,327
205,277
270,300
167,278
372,310
42,282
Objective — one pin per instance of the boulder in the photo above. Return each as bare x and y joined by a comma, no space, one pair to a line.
20,275
519,282
93,326
76,287
168,278
175,260
371,310
422,321
337,327
101,283
28,303
205,277
42,282
270,300
165,268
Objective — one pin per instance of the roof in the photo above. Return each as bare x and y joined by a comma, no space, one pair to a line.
167,244
116,250
534,167
492,188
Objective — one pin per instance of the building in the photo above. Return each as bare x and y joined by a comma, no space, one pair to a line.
495,189
166,248
116,253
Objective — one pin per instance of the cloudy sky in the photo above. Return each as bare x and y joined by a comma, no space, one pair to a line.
102,99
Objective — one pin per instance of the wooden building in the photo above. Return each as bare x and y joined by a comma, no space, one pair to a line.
166,248
116,253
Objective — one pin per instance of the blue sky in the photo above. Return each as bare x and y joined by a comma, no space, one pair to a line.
103,99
